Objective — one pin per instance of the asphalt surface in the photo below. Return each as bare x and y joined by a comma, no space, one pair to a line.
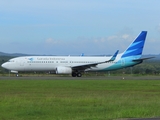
56,77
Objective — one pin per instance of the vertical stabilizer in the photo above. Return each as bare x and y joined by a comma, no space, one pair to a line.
136,47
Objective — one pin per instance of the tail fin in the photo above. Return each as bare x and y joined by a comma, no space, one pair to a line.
136,47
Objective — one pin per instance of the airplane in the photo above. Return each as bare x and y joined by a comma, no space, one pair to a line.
76,65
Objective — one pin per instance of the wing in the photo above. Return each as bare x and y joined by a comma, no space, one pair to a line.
83,67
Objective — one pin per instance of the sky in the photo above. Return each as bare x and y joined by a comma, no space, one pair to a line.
73,27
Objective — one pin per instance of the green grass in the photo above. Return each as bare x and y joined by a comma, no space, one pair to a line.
78,99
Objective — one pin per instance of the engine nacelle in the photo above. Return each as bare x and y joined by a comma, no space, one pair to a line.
63,70
13,71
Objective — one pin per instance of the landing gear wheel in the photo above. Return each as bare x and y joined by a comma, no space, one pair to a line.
74,74
79,74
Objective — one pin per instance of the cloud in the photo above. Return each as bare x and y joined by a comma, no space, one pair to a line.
102,45
112,37
99,40
51,41
125,36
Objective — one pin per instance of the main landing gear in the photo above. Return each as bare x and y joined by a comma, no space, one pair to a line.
76,74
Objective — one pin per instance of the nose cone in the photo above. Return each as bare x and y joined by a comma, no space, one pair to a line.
4,65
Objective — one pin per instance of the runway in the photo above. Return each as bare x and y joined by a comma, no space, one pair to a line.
80,78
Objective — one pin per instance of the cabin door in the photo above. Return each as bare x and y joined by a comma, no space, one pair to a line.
122,62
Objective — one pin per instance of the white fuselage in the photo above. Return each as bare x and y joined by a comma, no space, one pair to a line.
50,63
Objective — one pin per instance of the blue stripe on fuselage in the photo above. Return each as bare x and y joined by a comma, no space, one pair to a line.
123,63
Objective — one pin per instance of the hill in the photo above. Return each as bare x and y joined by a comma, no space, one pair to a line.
157,57
12,54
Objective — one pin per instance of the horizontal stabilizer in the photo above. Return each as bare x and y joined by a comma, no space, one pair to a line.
141,59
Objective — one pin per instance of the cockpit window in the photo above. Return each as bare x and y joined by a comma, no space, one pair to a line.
10,60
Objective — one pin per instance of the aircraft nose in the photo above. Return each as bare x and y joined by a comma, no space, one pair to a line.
4,65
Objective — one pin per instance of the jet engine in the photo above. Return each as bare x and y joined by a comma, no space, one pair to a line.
63,70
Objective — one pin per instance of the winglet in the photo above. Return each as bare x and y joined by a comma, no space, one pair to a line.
114,56
82,54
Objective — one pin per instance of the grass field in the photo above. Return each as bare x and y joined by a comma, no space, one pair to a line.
78,99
